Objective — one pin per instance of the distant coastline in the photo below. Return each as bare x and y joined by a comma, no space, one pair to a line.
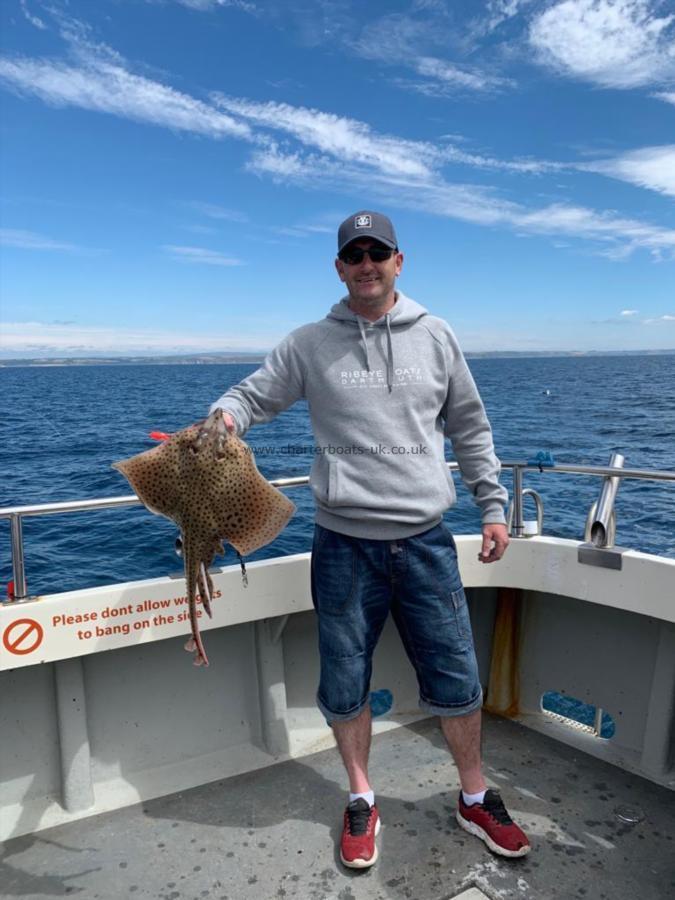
210,359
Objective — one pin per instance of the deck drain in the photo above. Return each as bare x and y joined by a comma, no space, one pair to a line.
630,815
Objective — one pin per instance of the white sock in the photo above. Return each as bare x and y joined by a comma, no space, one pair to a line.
368,796
470,799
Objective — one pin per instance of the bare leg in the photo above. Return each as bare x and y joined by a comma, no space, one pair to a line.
463,736
353,740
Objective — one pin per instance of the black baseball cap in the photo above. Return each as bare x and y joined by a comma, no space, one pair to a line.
367,224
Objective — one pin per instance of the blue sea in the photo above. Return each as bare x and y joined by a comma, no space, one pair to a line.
61,427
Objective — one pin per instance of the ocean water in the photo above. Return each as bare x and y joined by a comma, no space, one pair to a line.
61,427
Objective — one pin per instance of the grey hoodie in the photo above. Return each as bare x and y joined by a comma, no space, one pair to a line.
382,398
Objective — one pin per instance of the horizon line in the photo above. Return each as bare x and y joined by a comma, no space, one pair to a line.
239,354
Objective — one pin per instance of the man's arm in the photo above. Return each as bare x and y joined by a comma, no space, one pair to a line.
272,388
467,426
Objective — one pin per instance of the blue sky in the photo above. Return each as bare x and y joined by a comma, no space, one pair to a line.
173,171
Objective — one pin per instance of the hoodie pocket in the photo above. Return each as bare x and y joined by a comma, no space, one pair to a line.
447,484
333,482
324,480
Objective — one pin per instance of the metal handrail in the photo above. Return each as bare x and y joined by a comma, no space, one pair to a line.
66,506
655,474
17,513
519,468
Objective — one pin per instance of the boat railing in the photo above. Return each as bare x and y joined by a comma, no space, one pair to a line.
16,514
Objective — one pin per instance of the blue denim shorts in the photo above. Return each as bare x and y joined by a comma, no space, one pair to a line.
356,582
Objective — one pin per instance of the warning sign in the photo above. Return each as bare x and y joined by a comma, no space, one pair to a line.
52,627
23,636
66,625
126,618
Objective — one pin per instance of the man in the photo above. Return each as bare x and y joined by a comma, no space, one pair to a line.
386,383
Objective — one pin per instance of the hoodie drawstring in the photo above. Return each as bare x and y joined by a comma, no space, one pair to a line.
364,341
390,350
390,355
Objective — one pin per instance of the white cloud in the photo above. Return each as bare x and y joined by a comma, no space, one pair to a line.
658,319
42,339
502,10
407,41
667,96
281,166
629,312
447,76
430,5
348,139
625,235
306,229
31,240
648,167
202,255
203,5
33,19
612,43
213,211
398,39
615,236
526,166
335,150
106,86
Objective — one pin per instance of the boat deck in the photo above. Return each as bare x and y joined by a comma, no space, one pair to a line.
272,833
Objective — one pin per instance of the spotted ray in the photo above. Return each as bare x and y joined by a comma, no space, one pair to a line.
205,479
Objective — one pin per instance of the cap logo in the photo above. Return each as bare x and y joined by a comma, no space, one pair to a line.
363,222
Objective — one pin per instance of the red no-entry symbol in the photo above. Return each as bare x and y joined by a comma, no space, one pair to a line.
23,636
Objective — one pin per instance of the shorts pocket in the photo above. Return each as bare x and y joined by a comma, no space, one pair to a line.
333,571
462,618
449,535
440,558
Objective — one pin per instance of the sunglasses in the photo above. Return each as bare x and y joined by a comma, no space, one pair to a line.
354,256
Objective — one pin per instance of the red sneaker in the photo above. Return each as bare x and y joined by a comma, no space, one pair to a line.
362,825
491,822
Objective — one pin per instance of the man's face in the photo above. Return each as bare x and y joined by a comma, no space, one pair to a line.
370,284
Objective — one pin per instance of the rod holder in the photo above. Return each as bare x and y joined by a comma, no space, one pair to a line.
601,519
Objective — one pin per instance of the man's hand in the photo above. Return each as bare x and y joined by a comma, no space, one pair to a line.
227,419
495,542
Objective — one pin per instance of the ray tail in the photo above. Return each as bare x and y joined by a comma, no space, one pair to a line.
191,575
242,565
205,589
